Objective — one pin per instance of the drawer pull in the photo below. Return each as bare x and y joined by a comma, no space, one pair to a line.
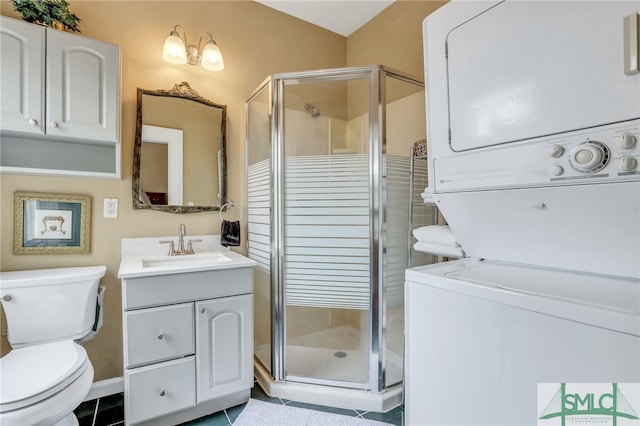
203,310
161,336
163,392
7,298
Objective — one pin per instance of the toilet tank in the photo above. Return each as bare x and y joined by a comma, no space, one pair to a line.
48,305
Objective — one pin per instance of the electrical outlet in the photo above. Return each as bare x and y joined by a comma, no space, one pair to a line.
110,208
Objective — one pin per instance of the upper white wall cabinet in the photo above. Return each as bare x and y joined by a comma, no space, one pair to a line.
60,103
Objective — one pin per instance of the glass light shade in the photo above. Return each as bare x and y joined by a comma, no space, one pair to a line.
212,57
173,50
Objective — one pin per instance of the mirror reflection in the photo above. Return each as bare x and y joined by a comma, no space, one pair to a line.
179,153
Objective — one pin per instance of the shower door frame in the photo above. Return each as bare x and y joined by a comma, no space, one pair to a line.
276,84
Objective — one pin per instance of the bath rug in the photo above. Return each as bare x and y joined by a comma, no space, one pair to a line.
259,413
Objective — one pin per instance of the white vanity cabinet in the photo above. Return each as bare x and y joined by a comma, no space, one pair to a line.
188,344
61,99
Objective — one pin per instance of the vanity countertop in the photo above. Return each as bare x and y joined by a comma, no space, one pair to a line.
144,257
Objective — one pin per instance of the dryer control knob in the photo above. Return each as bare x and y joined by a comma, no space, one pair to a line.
589,157
556,151
626,141
557,170
626,164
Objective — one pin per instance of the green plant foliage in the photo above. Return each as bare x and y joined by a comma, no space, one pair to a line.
47,12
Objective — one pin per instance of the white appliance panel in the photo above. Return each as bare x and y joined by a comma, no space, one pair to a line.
511,78
478,340
592,228
550,161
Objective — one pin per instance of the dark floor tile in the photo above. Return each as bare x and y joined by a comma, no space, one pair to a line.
326,409
215,419
110,410
234,412
259,394
395,416
85,412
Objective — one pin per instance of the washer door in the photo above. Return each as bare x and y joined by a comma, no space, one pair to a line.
521,70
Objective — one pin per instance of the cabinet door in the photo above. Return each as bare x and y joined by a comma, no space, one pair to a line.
224,346
22,76
83,87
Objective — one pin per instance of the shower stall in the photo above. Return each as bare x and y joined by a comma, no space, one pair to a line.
328,181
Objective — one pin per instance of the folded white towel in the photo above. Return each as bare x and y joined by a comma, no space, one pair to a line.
439,249
427,196
436,234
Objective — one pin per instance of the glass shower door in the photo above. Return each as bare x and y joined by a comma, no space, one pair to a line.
326,228
259,219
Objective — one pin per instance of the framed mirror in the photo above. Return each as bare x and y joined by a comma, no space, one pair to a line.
179,158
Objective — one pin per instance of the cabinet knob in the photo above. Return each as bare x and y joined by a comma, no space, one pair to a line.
163,392
7,298
203,310
54,124
33,122
161,336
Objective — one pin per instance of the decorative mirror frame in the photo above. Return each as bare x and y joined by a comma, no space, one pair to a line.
184,91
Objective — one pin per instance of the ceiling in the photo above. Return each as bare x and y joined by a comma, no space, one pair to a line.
340,16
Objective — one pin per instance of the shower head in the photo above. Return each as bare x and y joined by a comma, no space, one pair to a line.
311,109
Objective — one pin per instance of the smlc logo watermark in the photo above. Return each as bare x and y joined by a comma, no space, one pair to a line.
573,404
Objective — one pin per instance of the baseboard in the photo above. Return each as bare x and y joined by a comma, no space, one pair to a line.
106,387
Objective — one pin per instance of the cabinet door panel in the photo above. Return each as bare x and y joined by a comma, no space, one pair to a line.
22,76
82,78
224,353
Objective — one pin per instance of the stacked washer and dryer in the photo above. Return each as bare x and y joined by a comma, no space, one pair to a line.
533,119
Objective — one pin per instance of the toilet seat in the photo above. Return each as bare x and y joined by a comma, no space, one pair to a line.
31,374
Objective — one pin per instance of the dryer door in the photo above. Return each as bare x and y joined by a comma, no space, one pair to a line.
511,77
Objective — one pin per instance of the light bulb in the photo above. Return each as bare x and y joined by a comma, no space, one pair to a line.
173,50
212,57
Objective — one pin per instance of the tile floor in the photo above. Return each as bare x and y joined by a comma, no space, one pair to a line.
109,411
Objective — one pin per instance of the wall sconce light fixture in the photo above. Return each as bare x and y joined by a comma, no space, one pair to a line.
174,51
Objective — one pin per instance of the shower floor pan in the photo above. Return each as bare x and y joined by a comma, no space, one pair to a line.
338,355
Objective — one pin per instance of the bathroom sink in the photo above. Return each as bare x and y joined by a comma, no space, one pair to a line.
147,257
203,259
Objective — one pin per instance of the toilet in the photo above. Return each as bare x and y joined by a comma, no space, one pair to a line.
47,374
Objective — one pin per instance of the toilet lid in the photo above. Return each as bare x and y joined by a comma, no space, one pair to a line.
33,370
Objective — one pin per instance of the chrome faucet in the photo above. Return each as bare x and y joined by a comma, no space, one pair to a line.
182,232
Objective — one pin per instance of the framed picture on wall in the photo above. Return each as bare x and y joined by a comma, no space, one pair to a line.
51,223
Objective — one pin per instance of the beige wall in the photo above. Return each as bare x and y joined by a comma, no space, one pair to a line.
393,38
256,41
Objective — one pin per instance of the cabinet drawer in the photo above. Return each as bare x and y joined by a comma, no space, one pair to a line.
158,334
159,389
142,292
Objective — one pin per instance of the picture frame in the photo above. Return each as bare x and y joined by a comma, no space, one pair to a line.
51,223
